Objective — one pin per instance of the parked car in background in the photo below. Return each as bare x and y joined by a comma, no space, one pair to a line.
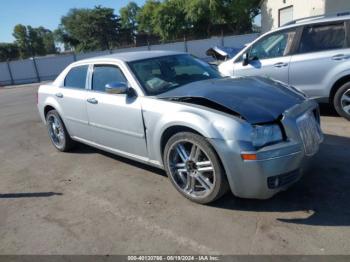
175,112
311,54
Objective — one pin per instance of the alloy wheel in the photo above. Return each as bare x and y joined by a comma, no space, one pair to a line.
345,102
56,131
191,169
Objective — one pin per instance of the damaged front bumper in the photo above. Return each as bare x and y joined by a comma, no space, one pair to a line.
276,166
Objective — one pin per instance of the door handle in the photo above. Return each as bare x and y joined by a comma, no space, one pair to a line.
340,57
280,64
59,95
92,101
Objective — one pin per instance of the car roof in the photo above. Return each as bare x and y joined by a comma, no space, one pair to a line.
314,20
129,56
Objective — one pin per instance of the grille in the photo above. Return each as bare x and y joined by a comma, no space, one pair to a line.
310,133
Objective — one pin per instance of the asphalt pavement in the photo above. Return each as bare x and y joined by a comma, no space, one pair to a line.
91,202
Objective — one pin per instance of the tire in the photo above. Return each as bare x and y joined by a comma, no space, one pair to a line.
341,101
194,168
57,132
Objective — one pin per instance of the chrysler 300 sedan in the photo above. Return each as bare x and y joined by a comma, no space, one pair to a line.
170,110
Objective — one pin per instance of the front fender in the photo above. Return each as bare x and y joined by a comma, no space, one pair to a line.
208,124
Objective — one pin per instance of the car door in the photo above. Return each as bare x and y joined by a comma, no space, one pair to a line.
269,56
321,49
71,98
116,119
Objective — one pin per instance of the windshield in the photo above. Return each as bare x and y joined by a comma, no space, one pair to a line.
161,74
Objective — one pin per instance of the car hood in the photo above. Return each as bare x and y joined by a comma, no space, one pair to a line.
256,99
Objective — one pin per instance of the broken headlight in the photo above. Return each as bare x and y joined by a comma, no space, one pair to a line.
266,134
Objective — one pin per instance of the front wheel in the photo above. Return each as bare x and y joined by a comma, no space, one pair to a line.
193,167
342,101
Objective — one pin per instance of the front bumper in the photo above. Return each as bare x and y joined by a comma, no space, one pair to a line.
277,166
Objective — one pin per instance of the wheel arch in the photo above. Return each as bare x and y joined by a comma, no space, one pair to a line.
48,108
172,130
341,81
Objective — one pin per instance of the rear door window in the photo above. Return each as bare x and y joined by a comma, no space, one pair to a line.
76,77
106,74
322,38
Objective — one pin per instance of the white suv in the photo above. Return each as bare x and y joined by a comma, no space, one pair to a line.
312,55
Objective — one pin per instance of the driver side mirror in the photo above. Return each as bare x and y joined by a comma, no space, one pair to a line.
117,88
245,59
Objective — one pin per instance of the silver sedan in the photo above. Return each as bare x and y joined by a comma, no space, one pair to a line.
170,110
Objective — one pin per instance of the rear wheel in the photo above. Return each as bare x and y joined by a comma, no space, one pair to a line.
341,101
58,132
194,168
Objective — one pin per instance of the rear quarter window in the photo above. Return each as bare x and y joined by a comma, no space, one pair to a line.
322,38
76,77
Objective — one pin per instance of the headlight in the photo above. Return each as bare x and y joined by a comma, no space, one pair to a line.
266,134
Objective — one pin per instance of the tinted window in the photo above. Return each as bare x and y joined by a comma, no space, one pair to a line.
76,77
104,74
322,37
274,45
161,74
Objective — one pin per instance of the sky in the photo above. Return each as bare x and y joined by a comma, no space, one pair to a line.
45,12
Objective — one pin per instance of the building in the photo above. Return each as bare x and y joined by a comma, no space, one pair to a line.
275,13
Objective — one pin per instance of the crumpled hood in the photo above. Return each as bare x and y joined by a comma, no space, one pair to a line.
256,99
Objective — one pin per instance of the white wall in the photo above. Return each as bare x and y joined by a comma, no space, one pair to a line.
301,9
23,71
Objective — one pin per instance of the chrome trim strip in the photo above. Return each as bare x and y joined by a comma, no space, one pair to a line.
270,158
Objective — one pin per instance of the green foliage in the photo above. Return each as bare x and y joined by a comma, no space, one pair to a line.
128,21
147,17
171,20
8,51
22,40
128,16
89,29
100,29
239,14
33,41
48,39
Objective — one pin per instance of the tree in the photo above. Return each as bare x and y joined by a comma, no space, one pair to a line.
8,51
128,16
33,41
47,37
147,16
89,29
203,14
239,14
22,40
128,19
36,42
171,19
